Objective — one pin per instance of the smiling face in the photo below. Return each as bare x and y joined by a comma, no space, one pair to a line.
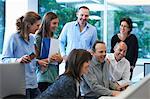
120,51
85,68
124,27
100,52
82,15
54,24
33,28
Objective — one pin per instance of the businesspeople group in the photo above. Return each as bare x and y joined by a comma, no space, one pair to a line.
96,82
90,73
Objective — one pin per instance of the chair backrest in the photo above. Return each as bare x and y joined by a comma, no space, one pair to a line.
146,69
12,79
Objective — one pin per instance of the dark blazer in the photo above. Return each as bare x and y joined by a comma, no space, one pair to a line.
63,88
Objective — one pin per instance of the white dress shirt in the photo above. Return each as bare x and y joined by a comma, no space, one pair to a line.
119,71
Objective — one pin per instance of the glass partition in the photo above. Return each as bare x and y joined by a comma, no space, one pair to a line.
105,15
66,11
140,16
2,23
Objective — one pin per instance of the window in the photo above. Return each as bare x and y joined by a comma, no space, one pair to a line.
66,11
106,17
141,21
2,23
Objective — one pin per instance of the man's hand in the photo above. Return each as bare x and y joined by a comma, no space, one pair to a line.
121,87
115,93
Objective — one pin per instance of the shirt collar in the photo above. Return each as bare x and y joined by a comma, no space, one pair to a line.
96,63
87,24
119,60
23,39
122,59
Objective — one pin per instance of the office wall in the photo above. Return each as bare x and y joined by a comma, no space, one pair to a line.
15,9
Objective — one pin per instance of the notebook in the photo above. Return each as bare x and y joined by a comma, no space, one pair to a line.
54,46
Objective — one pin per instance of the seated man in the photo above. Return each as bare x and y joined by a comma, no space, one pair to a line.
96,82
120,66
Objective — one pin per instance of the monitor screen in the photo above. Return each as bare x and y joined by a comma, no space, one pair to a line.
12,79
140,90
146,69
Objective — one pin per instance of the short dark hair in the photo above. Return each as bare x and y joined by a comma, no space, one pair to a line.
83,7
75,62
129,22
97,41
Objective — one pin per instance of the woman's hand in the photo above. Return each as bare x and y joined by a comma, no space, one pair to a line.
56,58
43,65
24,59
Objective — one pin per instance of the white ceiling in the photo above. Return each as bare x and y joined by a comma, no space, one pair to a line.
129,2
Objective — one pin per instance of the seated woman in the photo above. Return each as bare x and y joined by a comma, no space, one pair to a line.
67,85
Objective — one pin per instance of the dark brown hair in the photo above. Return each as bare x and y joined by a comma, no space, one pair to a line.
24,22
44,29
75,62
84,7
97,41
129,22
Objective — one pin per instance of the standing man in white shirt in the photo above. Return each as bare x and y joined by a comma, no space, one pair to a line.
77,34
120,66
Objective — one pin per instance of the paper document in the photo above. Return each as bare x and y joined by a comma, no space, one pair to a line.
62,67
54,46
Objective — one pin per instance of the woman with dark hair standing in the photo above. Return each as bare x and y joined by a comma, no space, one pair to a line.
130,39
46,76
20,47
67,85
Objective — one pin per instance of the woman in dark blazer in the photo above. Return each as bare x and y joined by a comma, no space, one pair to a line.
67,85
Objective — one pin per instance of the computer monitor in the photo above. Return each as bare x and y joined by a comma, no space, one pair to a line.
140,90
12,79
146,69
